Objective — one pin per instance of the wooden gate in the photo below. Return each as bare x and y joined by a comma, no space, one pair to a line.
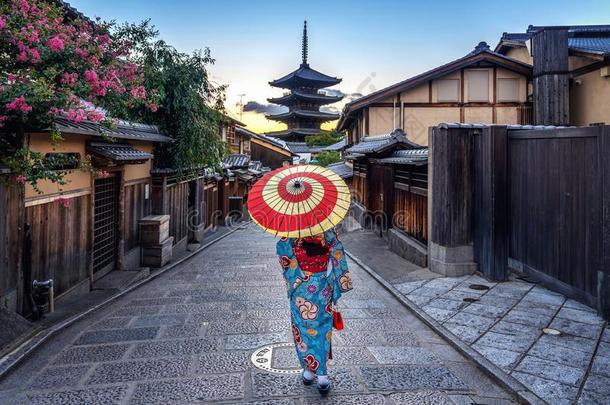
105,224
381,195
555,207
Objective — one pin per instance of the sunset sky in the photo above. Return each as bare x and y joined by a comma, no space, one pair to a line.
370,44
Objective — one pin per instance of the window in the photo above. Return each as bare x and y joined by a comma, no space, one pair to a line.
478,85
508,89
62,161
448,90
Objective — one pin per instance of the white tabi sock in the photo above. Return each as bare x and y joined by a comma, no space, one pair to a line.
323,380
308,375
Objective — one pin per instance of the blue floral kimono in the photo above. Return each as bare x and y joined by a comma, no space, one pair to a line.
312,296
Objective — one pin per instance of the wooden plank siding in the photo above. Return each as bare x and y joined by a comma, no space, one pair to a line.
136,207
61,242
555,207
11,239
178,210
411,201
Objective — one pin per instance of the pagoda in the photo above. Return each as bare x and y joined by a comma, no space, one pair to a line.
303,100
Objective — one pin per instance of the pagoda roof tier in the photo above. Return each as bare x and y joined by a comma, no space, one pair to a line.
295,132
295,96
305,76
311,115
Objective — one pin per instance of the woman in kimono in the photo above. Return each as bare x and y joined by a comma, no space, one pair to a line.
316,274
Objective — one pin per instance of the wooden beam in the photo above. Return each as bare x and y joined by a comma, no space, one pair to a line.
588,68
430,91
462,100
495,96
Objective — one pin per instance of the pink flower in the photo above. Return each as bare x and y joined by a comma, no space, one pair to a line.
103,174
91,76
21,179
35,55
138,92
69,79
3,119
56,44
95,116
65,201
2,23
83,53
75,115
19,104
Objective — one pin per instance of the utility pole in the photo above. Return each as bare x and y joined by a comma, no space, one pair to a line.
241,105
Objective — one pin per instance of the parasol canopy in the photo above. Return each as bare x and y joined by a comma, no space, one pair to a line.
298,201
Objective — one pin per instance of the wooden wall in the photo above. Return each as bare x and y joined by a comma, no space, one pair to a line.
267,156
61,241
136,207
11,239
411,201
360,183
555,200
178,210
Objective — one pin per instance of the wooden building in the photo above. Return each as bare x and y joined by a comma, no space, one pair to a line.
237,141
78,232
389,191
572,70
484,87
271,152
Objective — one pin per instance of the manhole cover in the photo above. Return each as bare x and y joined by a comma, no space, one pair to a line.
262,358
551,331
470,299
480,287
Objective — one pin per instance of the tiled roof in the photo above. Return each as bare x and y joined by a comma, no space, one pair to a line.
336,146
236,160
593,39
378,143
481,126
296,95
317,115
305,75
481,53
408,156
293,131
123,130
599,45
118,152
341,169
274,141
302,147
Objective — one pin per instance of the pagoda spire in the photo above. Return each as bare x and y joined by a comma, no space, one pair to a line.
305,42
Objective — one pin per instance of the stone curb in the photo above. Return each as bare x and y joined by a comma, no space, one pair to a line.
508,382
14,358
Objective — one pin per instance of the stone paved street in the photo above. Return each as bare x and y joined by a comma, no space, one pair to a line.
187,337
504,322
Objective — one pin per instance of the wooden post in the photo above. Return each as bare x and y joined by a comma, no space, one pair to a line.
490,205
450,247
551,77
603,272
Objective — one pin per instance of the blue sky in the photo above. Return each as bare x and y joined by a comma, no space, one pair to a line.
370,44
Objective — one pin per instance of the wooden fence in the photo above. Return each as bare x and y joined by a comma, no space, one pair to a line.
11,243
411,201
534,200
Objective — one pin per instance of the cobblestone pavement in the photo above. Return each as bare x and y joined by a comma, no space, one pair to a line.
504,324
187,337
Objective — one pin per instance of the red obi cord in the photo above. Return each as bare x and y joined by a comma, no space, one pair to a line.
312,254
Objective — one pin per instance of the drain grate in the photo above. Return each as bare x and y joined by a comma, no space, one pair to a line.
470,299
479,287
262,358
